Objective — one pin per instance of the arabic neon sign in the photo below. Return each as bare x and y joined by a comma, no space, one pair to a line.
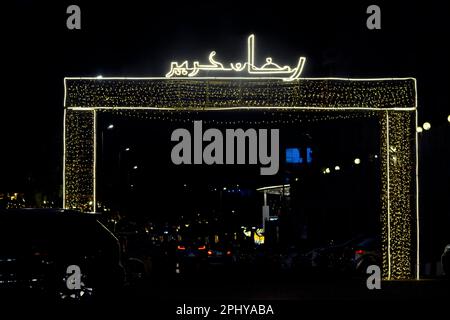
270,68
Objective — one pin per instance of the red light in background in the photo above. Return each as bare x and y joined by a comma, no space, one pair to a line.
181,248
360,251
210,252
202,248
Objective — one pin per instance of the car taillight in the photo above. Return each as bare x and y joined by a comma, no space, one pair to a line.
40,253
202,248
181,248
210,252
228,253
360,251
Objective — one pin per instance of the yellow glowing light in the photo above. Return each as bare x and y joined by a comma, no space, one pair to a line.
419,129
258,239
426,126
337,168
448,118
357,161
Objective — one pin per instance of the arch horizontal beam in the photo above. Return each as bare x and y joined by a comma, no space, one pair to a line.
225,93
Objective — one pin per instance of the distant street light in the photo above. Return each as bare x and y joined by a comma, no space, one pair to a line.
419,129
426,126
110,127
357,161
135,167
127,149
448,118
337,168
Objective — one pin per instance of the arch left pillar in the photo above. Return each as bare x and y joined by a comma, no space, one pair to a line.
79,179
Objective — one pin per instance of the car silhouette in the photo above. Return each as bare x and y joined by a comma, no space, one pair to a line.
55,252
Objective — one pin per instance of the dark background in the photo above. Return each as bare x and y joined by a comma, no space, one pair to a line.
161,190
133,38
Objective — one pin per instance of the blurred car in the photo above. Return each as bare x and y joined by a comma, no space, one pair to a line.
319,257
445,260
244,254
357,257
351,256
287,258
137,250
40,248
296,259
327,257
220,254
190,256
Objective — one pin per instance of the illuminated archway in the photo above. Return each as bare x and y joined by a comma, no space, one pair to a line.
393,101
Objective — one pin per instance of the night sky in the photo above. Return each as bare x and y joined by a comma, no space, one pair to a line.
132,38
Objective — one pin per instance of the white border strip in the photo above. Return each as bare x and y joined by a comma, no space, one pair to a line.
388,196
238,108
65,92
417,190
64,160
94,176
234,78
